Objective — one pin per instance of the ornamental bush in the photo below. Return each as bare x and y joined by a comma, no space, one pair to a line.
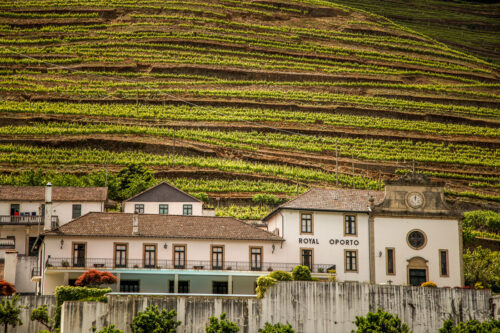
281,276
107,329
7,288
152,320
94,278
428,284
222,325
277,328
301,273
471,326
263,282
380,322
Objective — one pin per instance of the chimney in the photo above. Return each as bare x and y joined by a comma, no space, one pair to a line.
47,223
135,224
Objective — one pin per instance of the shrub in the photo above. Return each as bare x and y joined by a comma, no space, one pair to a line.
107,329
277,328
332,275
482,220
380,322
301,273
41,314
68,293
429,284
7,288
266,199
10,313
281,276
263,282
222,325
471,326
152,320
94,278
482,265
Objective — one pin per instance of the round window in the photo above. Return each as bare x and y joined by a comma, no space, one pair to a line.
416,239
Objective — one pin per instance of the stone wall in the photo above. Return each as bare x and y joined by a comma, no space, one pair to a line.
29,303
308,306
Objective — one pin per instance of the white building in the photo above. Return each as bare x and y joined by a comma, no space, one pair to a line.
405,235
25,211
165,199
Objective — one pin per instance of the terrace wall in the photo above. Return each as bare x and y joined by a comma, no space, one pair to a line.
308,306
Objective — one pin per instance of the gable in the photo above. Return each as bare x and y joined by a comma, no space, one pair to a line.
163,192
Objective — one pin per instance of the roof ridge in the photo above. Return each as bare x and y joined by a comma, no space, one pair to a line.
162,183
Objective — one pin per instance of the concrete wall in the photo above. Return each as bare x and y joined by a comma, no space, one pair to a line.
307,306
23,274
30,303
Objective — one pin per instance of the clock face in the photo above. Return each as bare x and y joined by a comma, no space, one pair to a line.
415,200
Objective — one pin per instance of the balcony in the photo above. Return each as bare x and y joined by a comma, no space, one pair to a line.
107,263
36,274
28,219
7,243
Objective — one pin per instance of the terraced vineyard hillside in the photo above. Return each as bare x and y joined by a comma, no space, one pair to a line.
250,96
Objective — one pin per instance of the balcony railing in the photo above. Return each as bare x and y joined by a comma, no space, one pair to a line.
108,263
7,243
35,271
27,219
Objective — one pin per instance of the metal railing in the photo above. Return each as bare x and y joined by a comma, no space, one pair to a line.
7,243
26,219
35,271
108,263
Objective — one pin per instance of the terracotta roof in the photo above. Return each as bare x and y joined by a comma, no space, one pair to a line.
167,226
344,200
59,193
163,192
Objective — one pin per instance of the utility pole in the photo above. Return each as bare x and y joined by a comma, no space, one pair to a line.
336,164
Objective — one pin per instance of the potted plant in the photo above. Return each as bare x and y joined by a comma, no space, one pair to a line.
64,263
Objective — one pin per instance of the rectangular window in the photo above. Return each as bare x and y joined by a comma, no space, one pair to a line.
183,287
77,211
187,209
350,227
32,251
443,263
120,255
180,256
306,223
164,209
219,287
14,209
351,260
79,254
307,258
256,258
139,209
149,255
217,257
129,286
389,252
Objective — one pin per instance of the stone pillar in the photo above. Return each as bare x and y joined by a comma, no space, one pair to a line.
10,266
118,279
230,284
176,283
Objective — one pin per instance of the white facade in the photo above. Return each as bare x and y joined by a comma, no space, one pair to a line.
327,241
441,235
174,208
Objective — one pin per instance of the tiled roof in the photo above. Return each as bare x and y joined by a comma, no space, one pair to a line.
167,226
163,192
63,193
333,200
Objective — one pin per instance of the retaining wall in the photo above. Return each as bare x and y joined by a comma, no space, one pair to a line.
308,306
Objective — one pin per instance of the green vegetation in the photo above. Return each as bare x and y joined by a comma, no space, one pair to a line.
221,325
471,326
277,328
301,273
10,313
380,322
41,315
482,266
155,321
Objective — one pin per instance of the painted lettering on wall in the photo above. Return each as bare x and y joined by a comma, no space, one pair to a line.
344,242
308,241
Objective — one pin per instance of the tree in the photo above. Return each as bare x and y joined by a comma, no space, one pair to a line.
277,328
380,322
7,288
471,326
301,273
155,321
94,278
10,313
482,265
131,180
41,314
222,325
484,220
